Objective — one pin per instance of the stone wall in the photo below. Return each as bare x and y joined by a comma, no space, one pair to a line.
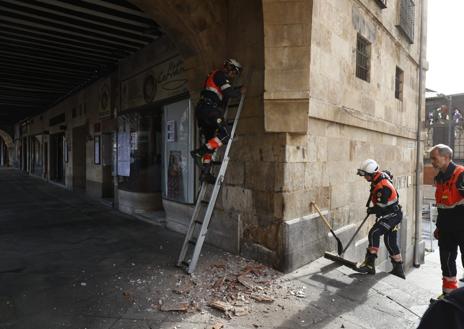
351,120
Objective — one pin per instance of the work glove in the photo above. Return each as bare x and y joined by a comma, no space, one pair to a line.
370,210
436,234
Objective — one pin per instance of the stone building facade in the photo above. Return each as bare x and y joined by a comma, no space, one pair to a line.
330,83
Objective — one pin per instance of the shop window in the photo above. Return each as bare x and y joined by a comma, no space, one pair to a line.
363,54
139,138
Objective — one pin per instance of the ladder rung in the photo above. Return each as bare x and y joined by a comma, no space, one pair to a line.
198,222
230,122
193,242
204,202
185,263
216,163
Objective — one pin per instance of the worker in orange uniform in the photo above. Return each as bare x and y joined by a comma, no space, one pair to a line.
387,209
209,112
449,198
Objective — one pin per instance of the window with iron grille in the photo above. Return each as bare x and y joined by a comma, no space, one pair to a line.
363,56
382,3
407,19
399,79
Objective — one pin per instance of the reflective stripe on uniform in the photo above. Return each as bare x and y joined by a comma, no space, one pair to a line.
225,86
389,203
444,206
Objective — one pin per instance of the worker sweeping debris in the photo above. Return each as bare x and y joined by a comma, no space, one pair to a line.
387,210
386,207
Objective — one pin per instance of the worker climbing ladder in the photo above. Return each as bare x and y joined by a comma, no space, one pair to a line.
201,217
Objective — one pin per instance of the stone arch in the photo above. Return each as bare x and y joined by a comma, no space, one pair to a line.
270,41
206,31
8,140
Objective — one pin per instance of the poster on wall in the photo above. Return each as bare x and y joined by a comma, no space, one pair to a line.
96,147
175,180
104,102
171,131
124,150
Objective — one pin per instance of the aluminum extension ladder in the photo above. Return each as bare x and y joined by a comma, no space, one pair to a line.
188,259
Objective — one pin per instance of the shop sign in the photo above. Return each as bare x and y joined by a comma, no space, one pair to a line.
161,81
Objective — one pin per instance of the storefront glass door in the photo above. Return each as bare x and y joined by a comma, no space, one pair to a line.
178,166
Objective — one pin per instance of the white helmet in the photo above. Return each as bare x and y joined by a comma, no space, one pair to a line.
234,64
368,167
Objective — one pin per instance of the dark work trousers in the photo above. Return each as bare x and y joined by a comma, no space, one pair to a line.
211,122
449,243
387,226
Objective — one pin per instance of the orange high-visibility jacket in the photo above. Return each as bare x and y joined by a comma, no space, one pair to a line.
379,183
212,86
447,194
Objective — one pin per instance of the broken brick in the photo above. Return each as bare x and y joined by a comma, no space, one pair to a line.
220,305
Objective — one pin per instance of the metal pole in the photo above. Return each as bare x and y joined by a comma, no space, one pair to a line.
431,226
419,160
450,120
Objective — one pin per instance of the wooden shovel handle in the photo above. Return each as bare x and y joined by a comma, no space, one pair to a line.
320,214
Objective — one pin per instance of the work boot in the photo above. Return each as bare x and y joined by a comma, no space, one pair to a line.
208,178
198,154
206,175
398,269
368,266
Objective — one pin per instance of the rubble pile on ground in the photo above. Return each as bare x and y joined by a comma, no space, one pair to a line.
231,286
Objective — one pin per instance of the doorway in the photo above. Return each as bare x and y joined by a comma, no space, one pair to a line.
57,173
79,143
45,157
24,164
107,166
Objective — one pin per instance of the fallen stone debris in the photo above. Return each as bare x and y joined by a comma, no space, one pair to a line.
230,285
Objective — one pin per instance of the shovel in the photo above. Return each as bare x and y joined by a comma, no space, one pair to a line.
339,243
